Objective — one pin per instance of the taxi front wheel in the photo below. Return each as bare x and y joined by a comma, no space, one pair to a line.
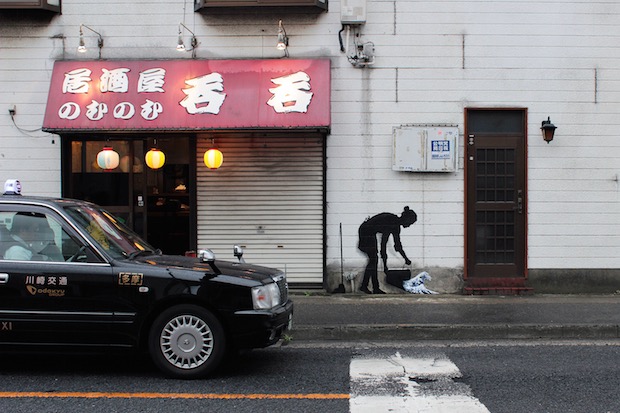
187,341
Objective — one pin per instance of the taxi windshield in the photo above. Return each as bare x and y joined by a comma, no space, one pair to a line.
109,232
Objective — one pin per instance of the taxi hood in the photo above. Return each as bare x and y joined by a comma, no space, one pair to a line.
213,267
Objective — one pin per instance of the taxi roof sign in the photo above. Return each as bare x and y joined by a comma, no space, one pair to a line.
12,187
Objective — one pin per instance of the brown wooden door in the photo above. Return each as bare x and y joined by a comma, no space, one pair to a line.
496,197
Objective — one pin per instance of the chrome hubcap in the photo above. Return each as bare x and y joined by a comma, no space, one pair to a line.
186,342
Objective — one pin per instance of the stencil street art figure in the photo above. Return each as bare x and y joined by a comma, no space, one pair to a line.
385,224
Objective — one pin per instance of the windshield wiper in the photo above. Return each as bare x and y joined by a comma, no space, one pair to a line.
138,253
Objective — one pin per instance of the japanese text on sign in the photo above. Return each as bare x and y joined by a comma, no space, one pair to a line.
204,94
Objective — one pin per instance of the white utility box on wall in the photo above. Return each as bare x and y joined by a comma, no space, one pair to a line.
352,11
425,148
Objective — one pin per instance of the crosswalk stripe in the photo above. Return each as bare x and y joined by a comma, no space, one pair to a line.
398,384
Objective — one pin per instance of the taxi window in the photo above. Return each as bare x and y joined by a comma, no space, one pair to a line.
5,236
34,236
108,232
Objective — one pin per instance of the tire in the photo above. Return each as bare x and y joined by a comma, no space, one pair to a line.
187,342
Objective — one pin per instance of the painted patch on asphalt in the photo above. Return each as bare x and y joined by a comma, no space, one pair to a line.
397,384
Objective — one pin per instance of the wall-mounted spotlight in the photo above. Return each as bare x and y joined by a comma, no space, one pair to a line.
82,46
548,129
282,39
181,45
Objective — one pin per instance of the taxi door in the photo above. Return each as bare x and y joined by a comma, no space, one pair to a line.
64,298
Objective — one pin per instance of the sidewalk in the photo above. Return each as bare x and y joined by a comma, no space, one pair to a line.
351,317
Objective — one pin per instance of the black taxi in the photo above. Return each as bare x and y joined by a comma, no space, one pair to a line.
72,277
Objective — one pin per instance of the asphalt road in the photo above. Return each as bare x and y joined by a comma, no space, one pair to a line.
514,377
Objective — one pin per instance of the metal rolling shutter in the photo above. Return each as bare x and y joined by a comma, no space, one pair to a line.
266,197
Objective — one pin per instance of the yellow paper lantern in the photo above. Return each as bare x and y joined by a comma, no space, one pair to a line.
108,158
213,158
155,158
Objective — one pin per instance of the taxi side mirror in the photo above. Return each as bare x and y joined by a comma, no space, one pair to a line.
238,252
208,257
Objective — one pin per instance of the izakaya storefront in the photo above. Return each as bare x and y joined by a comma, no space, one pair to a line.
268,118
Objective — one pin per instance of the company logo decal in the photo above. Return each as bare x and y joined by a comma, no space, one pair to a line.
50,292
46,285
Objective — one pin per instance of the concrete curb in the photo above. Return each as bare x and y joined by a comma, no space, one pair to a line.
387,332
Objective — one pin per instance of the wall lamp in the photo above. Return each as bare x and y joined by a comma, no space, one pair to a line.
82,47
548,129
194,41
282,39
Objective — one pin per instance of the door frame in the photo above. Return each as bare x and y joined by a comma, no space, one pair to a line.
494,278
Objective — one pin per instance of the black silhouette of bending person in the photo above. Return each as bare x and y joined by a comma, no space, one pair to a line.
385,224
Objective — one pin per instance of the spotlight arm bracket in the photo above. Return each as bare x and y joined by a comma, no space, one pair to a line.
193,41
99,41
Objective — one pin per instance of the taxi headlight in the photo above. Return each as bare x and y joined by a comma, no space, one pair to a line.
266,296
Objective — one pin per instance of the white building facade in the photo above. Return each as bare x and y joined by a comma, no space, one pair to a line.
433,105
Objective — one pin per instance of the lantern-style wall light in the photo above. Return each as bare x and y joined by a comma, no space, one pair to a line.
213,158
108,158
548,129
155,158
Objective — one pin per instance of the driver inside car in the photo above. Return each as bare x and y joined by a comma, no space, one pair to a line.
34,239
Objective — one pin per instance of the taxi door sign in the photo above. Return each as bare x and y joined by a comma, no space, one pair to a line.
130,278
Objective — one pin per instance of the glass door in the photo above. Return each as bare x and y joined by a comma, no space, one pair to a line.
169,205
155,203
120,190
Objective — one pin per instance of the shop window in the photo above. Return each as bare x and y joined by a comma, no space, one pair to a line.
102,186
207,6
50,5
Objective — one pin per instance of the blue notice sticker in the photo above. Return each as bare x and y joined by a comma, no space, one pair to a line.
440,149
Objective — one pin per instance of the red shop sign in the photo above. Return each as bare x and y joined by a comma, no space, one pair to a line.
188,95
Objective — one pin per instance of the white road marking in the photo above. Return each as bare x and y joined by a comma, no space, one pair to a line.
409,385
